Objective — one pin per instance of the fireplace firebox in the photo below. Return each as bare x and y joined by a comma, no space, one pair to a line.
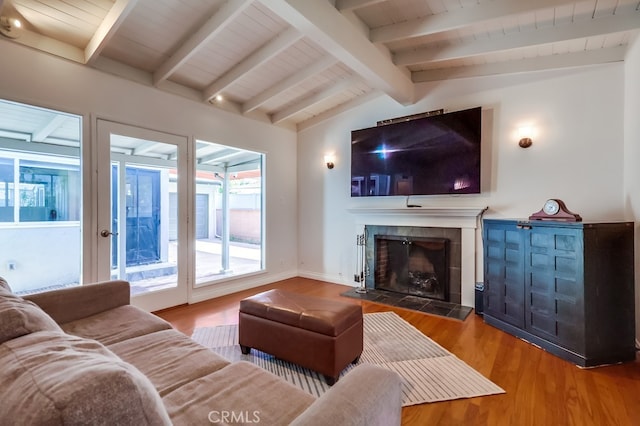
427,236
412,265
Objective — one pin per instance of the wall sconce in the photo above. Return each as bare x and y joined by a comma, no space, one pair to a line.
9,27
525,133
330,160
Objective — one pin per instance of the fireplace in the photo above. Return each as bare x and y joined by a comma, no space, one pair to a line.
412,265
459,224
419,261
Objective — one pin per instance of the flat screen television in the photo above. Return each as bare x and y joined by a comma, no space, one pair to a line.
437,154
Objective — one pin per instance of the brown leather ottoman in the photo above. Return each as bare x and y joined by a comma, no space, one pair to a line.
320,334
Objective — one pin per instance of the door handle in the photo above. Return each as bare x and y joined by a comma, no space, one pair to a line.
106,233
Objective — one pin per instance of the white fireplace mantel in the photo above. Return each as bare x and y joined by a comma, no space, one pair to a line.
426,211
453,217
465,218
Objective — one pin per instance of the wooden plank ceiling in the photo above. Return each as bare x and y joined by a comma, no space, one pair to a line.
295,63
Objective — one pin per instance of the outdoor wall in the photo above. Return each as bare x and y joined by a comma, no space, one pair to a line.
40,79
40,256
244,225
577,156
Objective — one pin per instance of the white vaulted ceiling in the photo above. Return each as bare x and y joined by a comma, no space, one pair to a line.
298,62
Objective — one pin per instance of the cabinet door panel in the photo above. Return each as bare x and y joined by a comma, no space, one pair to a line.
504,292
553,284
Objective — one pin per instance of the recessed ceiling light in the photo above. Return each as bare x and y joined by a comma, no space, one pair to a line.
219,98
9,27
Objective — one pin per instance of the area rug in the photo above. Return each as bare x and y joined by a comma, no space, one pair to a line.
430,373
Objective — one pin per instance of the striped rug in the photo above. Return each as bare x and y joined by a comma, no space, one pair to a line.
430,372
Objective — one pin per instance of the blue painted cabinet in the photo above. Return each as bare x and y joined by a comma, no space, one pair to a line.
566,287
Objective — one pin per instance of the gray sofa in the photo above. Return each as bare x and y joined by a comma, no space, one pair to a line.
84,355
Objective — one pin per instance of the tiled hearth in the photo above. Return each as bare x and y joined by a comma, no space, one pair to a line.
416,303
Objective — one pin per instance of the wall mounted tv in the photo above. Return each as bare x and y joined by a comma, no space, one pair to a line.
437,154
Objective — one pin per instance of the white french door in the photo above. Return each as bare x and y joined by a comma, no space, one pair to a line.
142,224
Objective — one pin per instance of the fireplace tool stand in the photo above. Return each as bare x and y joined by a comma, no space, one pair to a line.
361,264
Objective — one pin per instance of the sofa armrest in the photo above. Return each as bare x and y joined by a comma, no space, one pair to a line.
70,304
367,395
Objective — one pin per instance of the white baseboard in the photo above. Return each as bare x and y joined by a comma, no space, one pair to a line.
245,283
328,278
233,286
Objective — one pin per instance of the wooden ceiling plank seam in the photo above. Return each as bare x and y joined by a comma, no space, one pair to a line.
563,15
92,8
263,16
263,54
214,26
327,27
344,5
107,29
544,18
578,30
627,5
311,100
557,61
102,4
285,84
55,9
458,19
584,9
75,12
61,17
605,7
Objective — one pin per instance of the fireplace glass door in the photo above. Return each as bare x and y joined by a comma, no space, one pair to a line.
412,265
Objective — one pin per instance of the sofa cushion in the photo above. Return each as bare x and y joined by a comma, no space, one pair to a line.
168,358
317,314
55,379
19,317
238,393
116,325
4,285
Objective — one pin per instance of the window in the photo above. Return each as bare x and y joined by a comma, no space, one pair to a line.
6,190
45,192
229,213
40,197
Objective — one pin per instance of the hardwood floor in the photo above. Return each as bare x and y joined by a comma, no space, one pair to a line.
541,389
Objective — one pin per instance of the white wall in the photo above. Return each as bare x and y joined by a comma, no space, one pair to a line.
24,247
577,156
632,152
35,78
